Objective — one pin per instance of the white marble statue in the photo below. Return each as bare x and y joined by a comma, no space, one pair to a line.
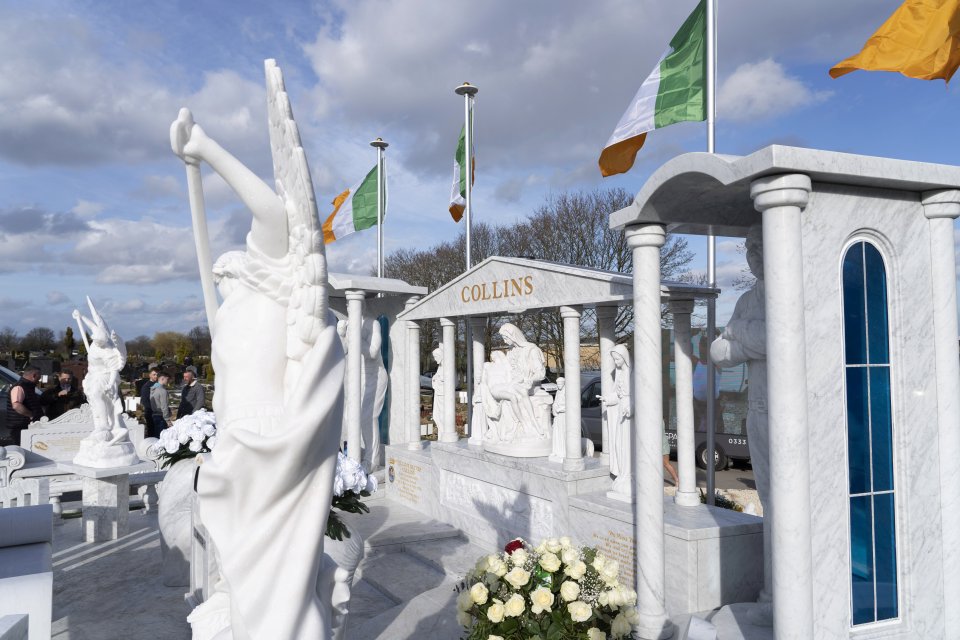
438,396
374,392
744,339
518,417
559,411
266,490
108,445
619,408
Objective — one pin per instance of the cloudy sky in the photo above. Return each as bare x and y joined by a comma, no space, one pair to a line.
92,201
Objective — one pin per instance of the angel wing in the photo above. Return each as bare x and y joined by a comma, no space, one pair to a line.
307,311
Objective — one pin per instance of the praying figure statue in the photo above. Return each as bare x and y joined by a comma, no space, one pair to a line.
559,411
744,339
374,391
108,445
509,386
437,383
265,492
619,408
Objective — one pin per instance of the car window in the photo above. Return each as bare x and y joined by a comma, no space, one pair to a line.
589,397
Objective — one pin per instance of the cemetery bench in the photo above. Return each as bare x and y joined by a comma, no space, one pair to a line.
26,568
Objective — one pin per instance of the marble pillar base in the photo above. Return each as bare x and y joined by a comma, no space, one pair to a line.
490,498
97,451
713,556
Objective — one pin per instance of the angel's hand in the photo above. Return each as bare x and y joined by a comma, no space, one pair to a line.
186,137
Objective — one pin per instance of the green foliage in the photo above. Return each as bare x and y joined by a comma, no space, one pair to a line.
721,501
350,503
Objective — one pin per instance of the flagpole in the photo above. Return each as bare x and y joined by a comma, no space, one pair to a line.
468,91
711,27
380,145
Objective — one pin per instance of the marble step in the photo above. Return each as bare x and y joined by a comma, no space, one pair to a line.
453,556
431,614
400,576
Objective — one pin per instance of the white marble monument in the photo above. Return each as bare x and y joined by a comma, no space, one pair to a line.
108,445
618,406
559,411
266,491
439,396
374,392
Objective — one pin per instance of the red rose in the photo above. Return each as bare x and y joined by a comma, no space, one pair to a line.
513,545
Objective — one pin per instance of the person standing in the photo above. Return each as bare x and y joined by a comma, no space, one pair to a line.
23,404
145,388
160,405
192,396
65,396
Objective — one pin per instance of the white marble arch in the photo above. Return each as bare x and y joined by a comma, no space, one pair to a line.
812,205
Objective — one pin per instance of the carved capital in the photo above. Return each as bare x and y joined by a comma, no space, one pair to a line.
570,312
447,322
354,294
645,235
786,190
677,307
942,203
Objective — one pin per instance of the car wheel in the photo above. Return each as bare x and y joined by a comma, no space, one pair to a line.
719,457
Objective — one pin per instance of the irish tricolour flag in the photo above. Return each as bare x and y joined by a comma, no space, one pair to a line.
674,92
355,209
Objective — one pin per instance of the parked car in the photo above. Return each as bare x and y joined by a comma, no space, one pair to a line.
729,442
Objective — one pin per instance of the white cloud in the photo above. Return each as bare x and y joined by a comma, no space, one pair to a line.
762,90
57,297
86,209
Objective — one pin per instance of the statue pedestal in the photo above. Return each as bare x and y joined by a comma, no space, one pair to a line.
106,499
96,451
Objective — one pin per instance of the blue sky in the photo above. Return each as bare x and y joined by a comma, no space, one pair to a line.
92,201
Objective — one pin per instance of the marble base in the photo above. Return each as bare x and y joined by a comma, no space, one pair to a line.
97,451
491,498
713,556
106,499
520,448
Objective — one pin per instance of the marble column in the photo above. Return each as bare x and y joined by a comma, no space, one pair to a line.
106,507
781,199
351,405
606,324
687,494
413,379
941,208
645,241
478,422
573,456
449,431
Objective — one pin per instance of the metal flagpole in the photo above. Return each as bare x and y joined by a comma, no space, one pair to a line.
380,145
468,91
711,27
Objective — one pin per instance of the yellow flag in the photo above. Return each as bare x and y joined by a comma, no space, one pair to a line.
920,40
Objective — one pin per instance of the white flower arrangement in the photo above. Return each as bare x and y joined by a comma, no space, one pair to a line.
187,437
350,483
553,590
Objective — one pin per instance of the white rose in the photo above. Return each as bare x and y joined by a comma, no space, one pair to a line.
595,634
464,619
569,591
609,571
576,570
541,548
195,446
550,562
514,605
493,637
604,599
478,593
552,545
372,483
171,447
495,612
518,557
542,600
517,577
599,561
464,600
182,436
211,442
569,556
620,626
496,566
208,429
565,542
632,615
579,611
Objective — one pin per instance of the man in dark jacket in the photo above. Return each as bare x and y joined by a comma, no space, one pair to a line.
192,396
63,397
145,387
23,404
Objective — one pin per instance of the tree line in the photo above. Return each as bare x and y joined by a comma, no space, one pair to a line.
164,345
571,228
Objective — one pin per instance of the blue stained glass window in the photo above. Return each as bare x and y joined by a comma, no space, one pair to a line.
873,539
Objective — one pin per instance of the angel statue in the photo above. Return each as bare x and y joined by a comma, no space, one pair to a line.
265,493
108,445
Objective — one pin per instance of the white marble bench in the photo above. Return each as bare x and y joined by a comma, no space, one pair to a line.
26,571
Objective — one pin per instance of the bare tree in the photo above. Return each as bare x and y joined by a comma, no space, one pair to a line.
141,346
39,339
9,340
200,340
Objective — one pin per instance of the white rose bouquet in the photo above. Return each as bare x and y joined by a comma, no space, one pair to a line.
188,436
554,590
350,484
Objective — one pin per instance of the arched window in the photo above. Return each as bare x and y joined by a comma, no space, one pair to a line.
873,540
